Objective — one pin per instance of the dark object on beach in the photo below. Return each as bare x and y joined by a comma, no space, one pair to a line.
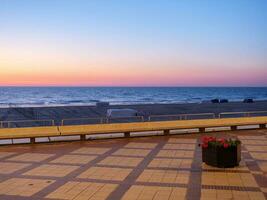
215,101
224,101
102,104
221,152
248,100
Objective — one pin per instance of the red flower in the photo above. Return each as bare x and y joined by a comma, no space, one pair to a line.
225,145
205,145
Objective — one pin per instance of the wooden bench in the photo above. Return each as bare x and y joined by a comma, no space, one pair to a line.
127,128
29,132
164,126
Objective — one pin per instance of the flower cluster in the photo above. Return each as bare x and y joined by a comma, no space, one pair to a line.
209,141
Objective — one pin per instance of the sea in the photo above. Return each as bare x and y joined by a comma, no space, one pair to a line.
62,96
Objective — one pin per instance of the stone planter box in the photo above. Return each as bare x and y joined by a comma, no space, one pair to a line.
218,156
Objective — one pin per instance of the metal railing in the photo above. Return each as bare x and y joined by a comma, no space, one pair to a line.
80,121
125,119
181,117
26,123
243,114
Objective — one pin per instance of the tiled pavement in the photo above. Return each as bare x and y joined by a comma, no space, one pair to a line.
156,168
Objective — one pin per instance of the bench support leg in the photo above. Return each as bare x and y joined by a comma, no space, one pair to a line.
262,126
201,130
166,132
233,128
32,140
83,137
127,134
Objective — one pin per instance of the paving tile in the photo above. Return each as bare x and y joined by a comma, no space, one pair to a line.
175,154
242,167
51,170
170,163
11,167
31,157
74,159
230,194
258,155
141,145
120,161
91,150
6,154
254,142
164,176
83,190
256,148
180,146
132,152
106,173
140,192
23,186
182,140
251,137
228,179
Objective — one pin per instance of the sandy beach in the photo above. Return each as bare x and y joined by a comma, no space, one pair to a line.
67,112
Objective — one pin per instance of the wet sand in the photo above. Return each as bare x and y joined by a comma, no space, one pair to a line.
67,112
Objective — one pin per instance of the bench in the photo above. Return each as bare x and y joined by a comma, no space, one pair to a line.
127,128
29,132
164,126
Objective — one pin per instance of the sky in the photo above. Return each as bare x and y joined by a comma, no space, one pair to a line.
133,43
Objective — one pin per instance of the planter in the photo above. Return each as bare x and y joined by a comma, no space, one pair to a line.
218,156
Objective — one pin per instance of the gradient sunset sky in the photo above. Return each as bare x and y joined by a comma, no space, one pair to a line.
133,43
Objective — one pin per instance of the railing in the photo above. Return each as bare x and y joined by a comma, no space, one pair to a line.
181,117
80,121
26,123
125,119
242,114
102,120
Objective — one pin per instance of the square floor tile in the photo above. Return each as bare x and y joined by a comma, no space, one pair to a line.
170,163
52,170
83,190
228,179
182,140
5,154
175,154
74,159
141,145
180,146
256,148
164,176
11,167
242,167
23,186
230,194
254,142
141,192
121,161
259,155
91,150
106,173
132,152
31,157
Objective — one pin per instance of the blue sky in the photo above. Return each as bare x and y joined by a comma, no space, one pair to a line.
182,42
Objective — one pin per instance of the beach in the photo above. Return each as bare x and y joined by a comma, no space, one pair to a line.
58,113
